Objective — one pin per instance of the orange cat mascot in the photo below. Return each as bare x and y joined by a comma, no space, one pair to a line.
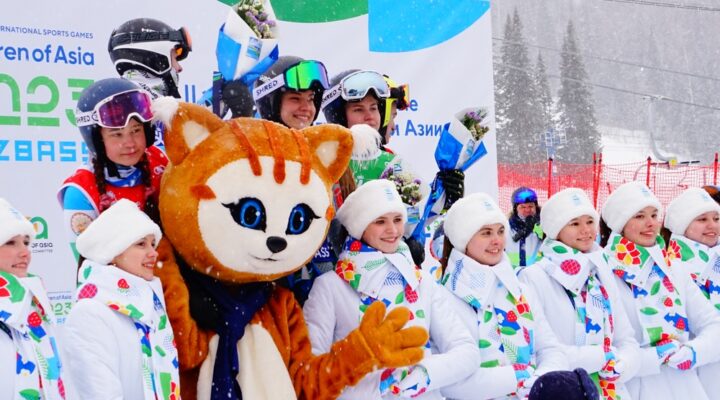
244,202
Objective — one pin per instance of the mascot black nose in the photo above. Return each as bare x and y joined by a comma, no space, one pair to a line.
276,244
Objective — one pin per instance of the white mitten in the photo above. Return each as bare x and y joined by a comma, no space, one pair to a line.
683,359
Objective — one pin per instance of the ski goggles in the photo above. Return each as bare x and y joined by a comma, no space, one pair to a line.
116,111
180,36
357,85
524,196
300,76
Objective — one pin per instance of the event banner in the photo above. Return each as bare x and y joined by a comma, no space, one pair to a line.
49,52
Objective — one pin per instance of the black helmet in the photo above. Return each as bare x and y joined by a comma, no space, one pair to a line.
268,104
91,97
145,44
334,108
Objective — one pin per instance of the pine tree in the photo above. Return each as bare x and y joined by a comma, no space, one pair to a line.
544,102
576,111
515,100
501,79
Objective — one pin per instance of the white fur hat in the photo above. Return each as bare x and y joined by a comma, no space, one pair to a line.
626,201
13,223
114,231
368,202
468,215
686,207
562,207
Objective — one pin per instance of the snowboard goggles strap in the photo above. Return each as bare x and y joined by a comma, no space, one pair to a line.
301,76
116,111
356,86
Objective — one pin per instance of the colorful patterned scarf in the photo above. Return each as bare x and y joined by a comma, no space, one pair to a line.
646,272
390,278
577,273
23,302
700,261
505,322
143,302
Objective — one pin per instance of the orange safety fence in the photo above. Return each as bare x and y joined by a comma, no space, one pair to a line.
598,180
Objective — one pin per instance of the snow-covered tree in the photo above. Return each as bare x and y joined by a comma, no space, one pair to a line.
501,78
575,108
515,105
544,100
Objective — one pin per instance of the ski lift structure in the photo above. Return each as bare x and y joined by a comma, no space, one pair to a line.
554,140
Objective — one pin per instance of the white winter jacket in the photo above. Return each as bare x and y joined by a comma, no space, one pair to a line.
8,353
7,366
561,316
333,310
709,374
654,381
498,382
103,350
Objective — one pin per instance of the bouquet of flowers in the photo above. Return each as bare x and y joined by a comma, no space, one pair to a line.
254,14
247,41
460,146
412,192
407,185
474,120
461,140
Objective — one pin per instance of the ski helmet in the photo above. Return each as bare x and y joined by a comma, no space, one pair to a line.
334,103
124,99
524,195
399,95
145,44
295,71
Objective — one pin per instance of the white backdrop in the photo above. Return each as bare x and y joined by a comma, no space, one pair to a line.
49,53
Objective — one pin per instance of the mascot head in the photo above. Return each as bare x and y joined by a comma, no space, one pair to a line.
247,200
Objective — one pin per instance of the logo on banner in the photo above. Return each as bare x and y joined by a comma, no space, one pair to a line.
42,242
393,26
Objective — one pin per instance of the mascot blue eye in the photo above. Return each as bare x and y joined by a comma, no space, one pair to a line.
249,212
300,219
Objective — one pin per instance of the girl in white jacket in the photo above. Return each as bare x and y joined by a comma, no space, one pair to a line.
674,323
30,366
516,344
120,343
376,265
694,220
580,296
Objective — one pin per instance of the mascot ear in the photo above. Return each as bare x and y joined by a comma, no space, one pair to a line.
186,126
332,144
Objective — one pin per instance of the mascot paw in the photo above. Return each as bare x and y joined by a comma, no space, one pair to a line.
392,345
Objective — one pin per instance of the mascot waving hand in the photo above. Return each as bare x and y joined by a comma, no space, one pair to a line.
244,202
